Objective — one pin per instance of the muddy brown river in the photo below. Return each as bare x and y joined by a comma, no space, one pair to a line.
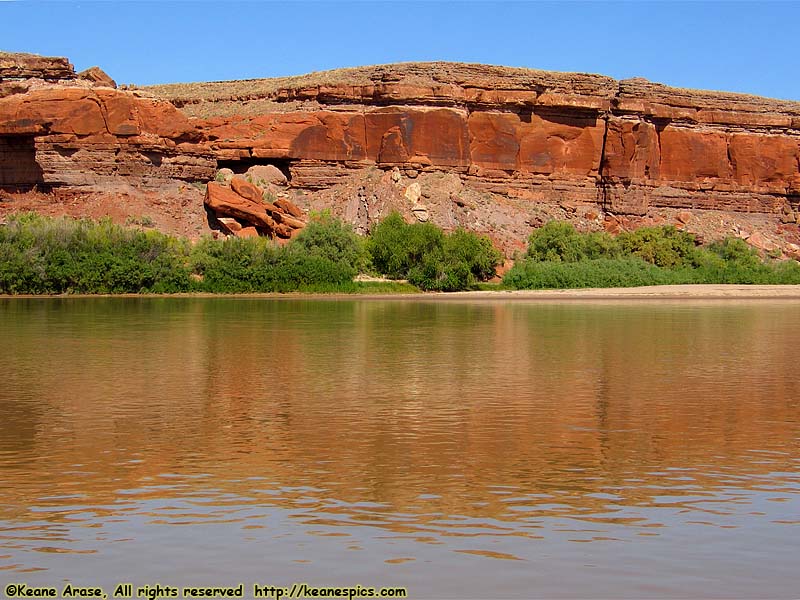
457,449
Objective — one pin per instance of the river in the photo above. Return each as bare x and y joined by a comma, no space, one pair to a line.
485,449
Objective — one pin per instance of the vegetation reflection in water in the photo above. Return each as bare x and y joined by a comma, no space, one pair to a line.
377,432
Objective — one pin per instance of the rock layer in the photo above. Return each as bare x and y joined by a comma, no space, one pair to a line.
26,66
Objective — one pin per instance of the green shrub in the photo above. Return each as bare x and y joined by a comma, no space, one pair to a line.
45,256
41,255
663,246
423,254
600,273
600,244
785,272
330,238
559,257
438,272
395,246
240,265
557,241
736,251
475,252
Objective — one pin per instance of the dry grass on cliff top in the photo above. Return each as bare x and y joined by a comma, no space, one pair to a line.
411,73
251,96
255,96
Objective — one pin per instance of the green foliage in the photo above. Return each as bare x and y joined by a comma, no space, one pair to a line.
736,251
330,238
237,265
51,256
475,252
395,246
560,257
39,255
439,272
144,221
428,258
44,256
557,241
663,246
600,273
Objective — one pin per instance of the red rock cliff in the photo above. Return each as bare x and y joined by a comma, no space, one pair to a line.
627,145
527,138
59,130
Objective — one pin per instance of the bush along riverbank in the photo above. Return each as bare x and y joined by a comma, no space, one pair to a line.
40,255
559,257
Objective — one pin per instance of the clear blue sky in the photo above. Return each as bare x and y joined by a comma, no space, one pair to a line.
740,46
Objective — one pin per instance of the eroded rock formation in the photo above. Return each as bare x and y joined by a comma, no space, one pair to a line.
59,130
246,205
492,148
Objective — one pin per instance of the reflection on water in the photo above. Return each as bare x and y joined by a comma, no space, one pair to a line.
460,449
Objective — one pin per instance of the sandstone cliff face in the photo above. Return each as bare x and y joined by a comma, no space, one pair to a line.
501,143
59,130
547,137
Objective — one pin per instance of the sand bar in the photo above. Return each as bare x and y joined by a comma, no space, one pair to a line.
655,292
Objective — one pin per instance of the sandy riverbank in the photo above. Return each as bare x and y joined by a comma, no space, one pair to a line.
665,292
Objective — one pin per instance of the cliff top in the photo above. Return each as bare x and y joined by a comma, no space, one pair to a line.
460,85
411,73
444,84
438,83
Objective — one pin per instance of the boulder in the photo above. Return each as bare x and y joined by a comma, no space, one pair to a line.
421,213
291,221
247,232
282,230
224,175
245,189
98,77
759,241
223,201
274,211
266,174
413,193
229,225
289,208
612,225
